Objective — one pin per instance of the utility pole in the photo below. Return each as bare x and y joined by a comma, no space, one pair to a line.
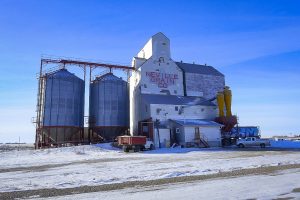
19,144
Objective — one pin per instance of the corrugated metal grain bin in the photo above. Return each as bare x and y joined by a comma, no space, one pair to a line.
63,117
109,106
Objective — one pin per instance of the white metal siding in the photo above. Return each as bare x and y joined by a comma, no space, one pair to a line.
134,99
204,85
157,46
167,112
212,134
161,78
164,135
189,134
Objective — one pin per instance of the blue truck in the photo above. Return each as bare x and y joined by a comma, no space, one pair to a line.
246,131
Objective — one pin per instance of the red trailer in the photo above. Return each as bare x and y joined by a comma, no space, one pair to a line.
135,143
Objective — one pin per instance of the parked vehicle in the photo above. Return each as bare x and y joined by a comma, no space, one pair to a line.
252,141
135,143
149,144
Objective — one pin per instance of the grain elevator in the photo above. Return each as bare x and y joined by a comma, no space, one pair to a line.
173,102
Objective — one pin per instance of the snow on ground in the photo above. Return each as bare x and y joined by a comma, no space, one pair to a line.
65,155
286,144
103,164
226,189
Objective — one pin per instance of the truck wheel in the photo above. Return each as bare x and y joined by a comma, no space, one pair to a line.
151,147
262,145
241,146
137,148
125,149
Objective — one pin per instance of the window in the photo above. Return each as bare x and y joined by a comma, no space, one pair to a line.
177,130
146,108
181,110
145,129
158,111
176,108
161,59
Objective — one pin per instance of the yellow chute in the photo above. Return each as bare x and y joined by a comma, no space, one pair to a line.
228,97
220,100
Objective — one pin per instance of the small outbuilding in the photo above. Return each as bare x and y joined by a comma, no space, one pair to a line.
196,132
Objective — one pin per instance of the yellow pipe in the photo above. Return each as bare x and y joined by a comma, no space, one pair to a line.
220,100
228,96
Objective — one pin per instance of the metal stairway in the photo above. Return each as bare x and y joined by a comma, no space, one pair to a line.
204,142
200,139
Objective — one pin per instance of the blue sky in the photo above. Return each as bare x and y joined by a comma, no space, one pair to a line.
256,44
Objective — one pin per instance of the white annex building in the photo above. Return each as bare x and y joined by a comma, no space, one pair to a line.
173,102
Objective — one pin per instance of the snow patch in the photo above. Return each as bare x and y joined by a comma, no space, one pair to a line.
285,144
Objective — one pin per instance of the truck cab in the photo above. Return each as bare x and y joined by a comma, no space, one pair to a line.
149,144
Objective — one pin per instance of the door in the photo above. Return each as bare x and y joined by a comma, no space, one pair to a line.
197,131
248,142
197,136
255,142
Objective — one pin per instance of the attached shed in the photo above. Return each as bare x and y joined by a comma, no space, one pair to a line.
188,132
165,107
